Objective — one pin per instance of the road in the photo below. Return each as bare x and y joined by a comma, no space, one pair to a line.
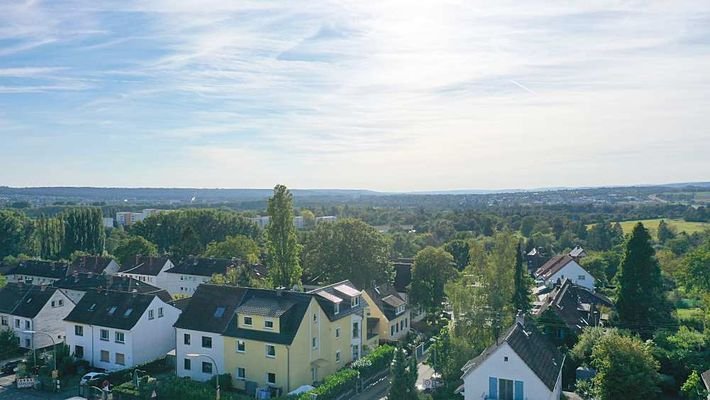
380,389
8,391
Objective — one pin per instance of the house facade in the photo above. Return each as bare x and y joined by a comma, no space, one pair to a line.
117,330
37,272
147,269
184,278
388,313
26,308
562,267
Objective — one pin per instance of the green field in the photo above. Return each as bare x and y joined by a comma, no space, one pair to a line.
678,224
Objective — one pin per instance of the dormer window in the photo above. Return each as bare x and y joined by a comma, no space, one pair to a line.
112,310
247,321
355,301
336,308
268,324
400,309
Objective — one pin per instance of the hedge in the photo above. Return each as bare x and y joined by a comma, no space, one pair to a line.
187,389
375,362
334,385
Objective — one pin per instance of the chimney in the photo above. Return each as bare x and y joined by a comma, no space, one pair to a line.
520,318
279,291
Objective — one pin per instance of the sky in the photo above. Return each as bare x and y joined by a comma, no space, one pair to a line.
369,94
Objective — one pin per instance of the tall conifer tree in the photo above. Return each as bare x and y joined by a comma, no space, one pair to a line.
521,295
283,249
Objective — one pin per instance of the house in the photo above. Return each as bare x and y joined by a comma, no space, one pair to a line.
564,266
274,340
95,265
402,274
184,278
76,285
568,309
37,272
147,269
522,364
388,313
534,259
116,330
31,308
577,253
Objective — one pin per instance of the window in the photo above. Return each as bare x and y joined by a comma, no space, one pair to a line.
315,317
337,332
270,350
54,303
268,324
356,330
219,312
17,324
103,335
241,346
391,330
27,325
120,337
241,374
314,343
104,356
247,321
355,301
580,278
61,302
505,358
401,325
206,367
160,312
186,339
127,313
120,359
112,310
336,308
207,342
505,389
271,378
187,364
151,314
28,344
78,330
79,351
3,320
337,356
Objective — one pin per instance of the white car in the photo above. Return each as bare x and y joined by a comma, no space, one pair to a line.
93,376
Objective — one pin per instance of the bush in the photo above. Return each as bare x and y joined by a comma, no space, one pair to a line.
187,389
334,385
225,382
374,362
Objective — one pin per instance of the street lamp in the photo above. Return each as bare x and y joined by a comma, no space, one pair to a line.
195,355
54,348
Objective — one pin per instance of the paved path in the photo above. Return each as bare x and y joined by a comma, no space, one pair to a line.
8,391
424,372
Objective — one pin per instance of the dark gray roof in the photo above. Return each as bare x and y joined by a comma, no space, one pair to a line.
203,266
110,309
89,281
541,356
402,274
93,264
199,314
41,268
24,300
387,299
144,265
573,304
345,291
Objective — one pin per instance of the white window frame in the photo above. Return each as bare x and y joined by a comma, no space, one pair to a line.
244,345
243,377
116,337
266,350
101,335
268,321
251,320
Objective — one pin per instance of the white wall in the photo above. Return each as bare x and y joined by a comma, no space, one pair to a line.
216,352
112,268
182,284
153,338
35,280
476,381
51,319
573,272
155,280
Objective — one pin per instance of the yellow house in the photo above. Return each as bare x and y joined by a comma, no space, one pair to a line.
388,314
279,340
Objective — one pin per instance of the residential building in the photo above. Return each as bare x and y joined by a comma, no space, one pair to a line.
522,364
326,219
260,221
147,269
577,253
35,308
564,266
95,265
128,218
76,285
388,313
108,222
184,277
37,272
116,330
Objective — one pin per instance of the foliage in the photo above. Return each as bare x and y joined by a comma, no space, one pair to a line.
581,353
282,247
189,244
347,249
693,388
432,269
521,282
498,281
13,232
238,246
402,386
641,304
83,230
48,237
132,247
682,351
334,385
459,249
374,362
664,232
239,276
696,269
173,387
9,343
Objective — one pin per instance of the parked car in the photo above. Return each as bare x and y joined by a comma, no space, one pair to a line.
10,367
93,378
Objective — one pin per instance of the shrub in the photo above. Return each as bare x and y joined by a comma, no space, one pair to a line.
225,382
334,385
374,362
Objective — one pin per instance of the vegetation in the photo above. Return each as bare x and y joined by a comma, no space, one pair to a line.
282,248
134,246
433,267
239,246
403,377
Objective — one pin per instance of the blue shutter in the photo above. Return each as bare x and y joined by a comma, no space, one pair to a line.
518,390
492,387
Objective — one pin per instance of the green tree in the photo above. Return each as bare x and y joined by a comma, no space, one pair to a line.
282,247
309,219
693,388
238,246
696,269
347,249
498,280
625,368
238,276
459,249
13,234
83,230
401,387
9,343
526,225
48,237
432,269
600,237
132,247
521,281
189,244
664,232
641,304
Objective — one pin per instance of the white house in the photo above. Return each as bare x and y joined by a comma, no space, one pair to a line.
522,365
147,269
41,309
37,272
185,277
565,266
116,330
95,265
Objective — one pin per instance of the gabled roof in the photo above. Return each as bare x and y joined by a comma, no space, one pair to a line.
145,265
93,264
201,266
705,376
89,281
40,268
541,356
387,299
199,315
107,308
24,300
577,252
573,304
402,273
553,265
337,293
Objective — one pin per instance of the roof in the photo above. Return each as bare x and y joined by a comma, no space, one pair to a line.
533,252
577,252
40,268
573,304
402,274
112,309
89,281
328,296
145,265
705,376
541,356
24,300
93,264
199,314
553,265
203,266
386,299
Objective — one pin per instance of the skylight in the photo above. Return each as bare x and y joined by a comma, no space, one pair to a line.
219,312
112,310
128,312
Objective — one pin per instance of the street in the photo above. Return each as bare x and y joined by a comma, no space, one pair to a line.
8,391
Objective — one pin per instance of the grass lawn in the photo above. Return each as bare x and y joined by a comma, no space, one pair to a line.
678,224
686,313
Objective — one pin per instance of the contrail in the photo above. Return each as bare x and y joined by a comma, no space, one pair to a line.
520,85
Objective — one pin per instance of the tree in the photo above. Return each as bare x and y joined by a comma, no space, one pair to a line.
132,247
459,249
9,343
600,236
12,233
625,368
402,387
238,276
237,246
696,269
189,244
83,230
664,232
48,237
309,219
282,247
498,280
641,304
693,388
521,294
347,249
432,269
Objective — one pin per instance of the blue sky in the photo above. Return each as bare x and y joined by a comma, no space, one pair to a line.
385,95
